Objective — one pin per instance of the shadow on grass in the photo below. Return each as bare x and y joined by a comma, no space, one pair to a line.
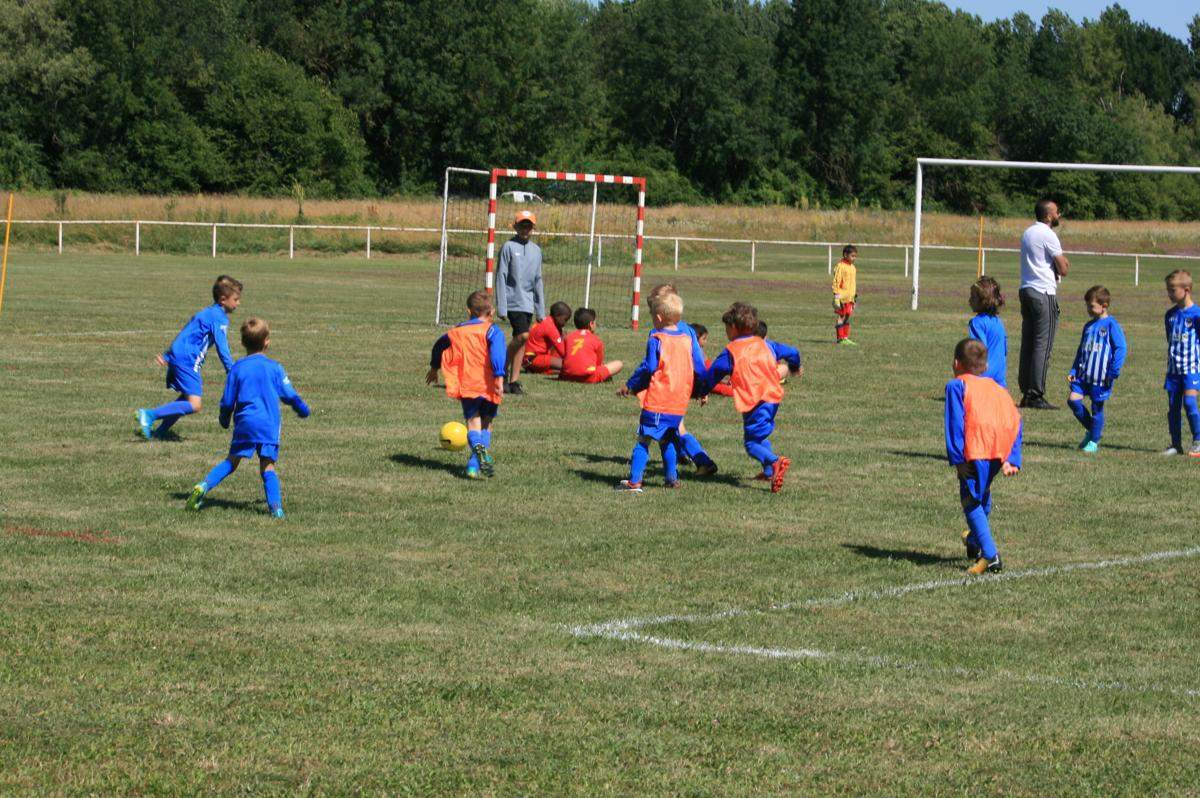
170,436
257,506
654,475
601,458
1075,447
428,463
919,455
915,557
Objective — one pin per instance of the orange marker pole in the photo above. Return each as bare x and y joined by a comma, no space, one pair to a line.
4,262
979,263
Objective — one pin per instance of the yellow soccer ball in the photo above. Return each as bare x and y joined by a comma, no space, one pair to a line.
454,436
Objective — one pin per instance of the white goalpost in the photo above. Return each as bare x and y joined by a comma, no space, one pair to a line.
590,228
1035,165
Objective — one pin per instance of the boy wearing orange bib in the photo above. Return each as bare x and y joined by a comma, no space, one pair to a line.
753,371
664,379
983,438
472,358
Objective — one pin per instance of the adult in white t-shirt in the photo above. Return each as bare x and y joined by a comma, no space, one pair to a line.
1043,265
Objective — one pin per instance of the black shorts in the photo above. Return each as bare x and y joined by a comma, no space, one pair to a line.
520,321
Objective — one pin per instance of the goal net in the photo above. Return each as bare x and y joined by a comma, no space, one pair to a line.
589,227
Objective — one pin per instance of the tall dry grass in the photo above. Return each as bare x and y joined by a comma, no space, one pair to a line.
718,221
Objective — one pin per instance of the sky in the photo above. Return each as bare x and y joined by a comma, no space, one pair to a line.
1170,16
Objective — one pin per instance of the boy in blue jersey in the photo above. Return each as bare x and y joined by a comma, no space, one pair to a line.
664,383
185,357
983,439
253,390
472,358
1182,384
1098,362
986,327
687,445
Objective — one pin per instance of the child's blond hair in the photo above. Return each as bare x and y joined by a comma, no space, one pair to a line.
479,303
669,307
1180,277
255,332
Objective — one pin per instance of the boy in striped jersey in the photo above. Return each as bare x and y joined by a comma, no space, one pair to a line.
1098,362
1182,384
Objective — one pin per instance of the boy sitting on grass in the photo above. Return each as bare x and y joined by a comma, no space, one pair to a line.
544,351
253,390
471,357
584,361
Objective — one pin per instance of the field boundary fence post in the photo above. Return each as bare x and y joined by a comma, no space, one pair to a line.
829,265
1137,271
137,238
214,241
753,254
368,243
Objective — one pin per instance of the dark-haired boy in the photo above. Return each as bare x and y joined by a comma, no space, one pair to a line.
544,351
584,361
253,390
471,357
753,372
1098,362
185,357
845,294
983,438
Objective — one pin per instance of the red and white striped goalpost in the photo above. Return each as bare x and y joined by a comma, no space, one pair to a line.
577,177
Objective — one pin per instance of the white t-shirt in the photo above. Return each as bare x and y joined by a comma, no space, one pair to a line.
1039,246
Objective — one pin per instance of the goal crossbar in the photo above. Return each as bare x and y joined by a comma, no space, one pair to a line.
1038,165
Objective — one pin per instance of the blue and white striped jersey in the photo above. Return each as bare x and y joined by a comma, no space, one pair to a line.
1101,353
1183,340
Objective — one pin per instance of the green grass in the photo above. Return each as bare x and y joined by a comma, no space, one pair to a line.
405,631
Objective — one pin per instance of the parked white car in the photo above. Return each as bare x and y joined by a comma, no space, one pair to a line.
522,196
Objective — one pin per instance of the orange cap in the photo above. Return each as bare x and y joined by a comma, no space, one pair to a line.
525,216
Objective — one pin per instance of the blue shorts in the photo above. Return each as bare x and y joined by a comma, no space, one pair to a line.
265,451
186,381
759,423
977,488
1097,393
1181,382
479,407
658,426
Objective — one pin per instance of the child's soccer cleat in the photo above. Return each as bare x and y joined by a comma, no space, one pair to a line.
781,467
277,512
1195,450
972,549
848,342
486,461
196,500
145,421
1171,451
985,566
625,486
514,388
706,470
1091,447
473,473
669,484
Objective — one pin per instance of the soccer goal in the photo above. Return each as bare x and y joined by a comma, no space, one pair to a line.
590,228
1035,165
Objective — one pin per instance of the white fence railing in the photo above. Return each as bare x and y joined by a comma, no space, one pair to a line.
752,244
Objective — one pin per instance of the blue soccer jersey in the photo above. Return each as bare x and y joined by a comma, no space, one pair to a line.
206,329
1101,354
1183,340
988,328
253,390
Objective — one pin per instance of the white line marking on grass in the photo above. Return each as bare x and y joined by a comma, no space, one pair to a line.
609,628
625,629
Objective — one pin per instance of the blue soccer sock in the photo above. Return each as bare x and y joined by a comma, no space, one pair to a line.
165,424
473,439
271,489
1097,421
486,436
180,407
1174,417
760,450
693,449
1081,413
981,533
670,456
1193,414
638,460
218,473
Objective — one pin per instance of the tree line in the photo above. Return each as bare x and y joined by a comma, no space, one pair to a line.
812,103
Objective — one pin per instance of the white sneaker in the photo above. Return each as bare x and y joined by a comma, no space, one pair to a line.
1171,451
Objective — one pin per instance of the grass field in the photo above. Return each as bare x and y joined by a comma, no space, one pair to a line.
405,631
